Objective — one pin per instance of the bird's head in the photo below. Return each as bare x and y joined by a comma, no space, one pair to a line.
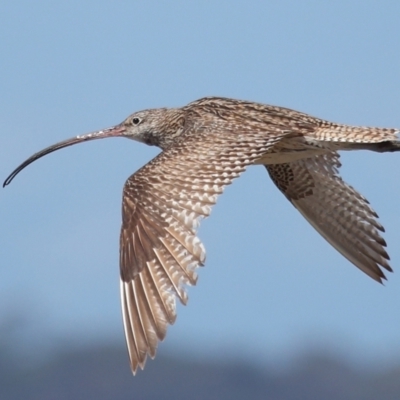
156,127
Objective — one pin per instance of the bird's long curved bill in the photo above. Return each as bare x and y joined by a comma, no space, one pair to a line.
114,131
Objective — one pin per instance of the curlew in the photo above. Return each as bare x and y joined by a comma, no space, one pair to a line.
205,145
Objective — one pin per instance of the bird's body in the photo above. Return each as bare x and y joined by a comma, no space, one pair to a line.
205,145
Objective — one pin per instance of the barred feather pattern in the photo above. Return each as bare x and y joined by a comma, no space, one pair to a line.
163,204
205,145
335,209
355,134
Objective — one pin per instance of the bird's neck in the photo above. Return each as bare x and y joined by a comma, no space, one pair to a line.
170,129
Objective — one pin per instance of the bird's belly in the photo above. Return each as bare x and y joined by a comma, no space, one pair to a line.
295,148
286,156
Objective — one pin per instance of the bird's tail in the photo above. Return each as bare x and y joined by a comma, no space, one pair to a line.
360,137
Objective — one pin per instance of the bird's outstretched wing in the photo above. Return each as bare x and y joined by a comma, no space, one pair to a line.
336,210
163,204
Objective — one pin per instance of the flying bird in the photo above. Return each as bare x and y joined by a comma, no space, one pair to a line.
205,145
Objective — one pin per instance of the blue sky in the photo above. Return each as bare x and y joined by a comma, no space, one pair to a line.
272,287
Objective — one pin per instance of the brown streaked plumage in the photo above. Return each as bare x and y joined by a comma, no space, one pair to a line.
205,145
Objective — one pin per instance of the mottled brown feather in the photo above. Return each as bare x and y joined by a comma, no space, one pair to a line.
207,144
162,206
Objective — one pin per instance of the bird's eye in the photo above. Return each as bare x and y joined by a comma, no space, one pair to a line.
136,121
